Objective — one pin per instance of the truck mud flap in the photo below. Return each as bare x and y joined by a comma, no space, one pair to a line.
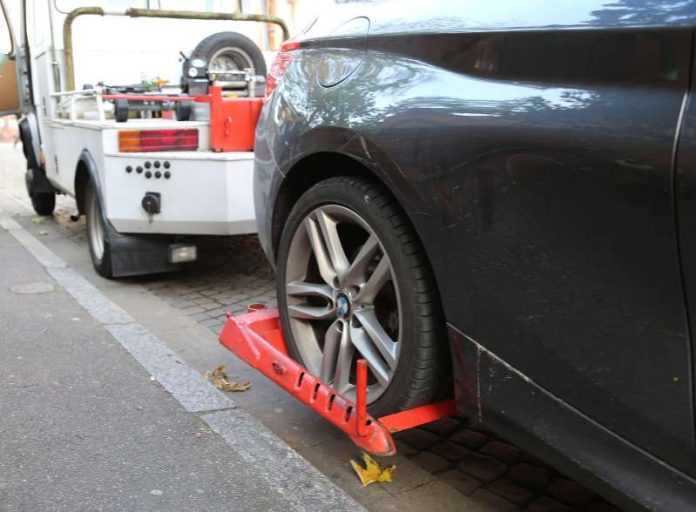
133,255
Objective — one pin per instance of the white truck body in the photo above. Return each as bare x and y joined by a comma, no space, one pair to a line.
208,193
202,193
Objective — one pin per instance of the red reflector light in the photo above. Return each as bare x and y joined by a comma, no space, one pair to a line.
280,65
134,141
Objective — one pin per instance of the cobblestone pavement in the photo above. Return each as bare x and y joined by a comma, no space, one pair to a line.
232,273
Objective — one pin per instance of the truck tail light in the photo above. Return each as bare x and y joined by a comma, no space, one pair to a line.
136,141
280,65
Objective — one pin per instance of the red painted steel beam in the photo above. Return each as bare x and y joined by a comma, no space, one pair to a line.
418,416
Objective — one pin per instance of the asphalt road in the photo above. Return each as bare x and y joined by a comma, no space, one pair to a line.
451,465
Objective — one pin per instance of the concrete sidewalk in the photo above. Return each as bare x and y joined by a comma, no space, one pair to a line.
83,426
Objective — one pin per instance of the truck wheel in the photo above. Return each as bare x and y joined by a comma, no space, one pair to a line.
43,202
354,283
230,51
98,232
121,110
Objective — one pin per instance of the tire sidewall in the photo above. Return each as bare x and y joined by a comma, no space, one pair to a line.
101,265
328,192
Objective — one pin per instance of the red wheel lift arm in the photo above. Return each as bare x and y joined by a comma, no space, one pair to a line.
257,339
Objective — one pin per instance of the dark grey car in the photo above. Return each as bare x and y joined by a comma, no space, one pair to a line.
498,200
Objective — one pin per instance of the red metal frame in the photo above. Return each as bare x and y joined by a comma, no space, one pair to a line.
232,119
257,339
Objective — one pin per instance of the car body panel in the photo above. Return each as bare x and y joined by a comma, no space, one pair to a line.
533,150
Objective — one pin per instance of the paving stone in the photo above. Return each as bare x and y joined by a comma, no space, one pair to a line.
418,438
210,323
450,451
192,310
406,449
481,467
531,477
200,317
510,491
460,481
569,492
469,438
501,450
444,426
492,502
545,504
430,462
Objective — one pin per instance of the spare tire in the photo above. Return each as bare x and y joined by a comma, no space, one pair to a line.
230,51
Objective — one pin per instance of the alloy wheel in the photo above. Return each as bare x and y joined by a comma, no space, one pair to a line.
342,300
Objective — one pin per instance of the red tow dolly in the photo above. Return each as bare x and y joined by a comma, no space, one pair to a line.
257,339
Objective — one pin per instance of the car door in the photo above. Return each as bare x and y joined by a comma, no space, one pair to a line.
562,214
10,99
685,202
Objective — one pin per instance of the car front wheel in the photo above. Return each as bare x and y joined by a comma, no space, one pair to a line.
355,283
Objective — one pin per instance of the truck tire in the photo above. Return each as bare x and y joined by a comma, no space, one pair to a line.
354,282
230,51
121,111
43,202
99,232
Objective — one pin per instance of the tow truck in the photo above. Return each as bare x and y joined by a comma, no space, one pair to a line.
150,165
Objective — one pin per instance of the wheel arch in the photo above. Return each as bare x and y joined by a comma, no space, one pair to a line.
316,167
85,171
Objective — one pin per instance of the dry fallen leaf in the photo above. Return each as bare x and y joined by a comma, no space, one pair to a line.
43,232
218,377
38,219
372,472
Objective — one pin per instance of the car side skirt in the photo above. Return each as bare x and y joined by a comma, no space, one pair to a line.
490,391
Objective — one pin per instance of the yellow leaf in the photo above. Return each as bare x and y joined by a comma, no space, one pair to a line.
372,472
218,377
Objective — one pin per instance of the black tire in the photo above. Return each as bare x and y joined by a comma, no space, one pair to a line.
43,202
183,110
121,110
241,48
94,214
423,367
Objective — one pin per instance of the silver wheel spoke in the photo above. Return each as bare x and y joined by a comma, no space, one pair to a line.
367,349
374,284
332,342
326,269
304,289
358,268
304,312
376,333
333,280
341,380
333,243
